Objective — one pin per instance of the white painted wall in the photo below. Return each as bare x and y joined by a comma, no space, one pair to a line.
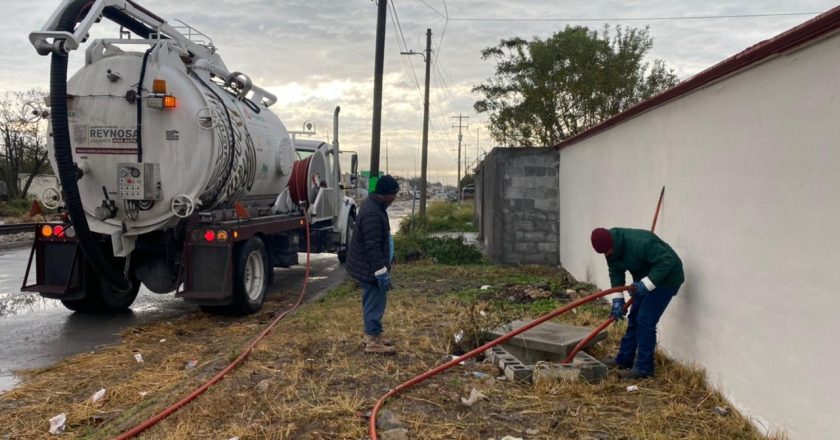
39,183
751,166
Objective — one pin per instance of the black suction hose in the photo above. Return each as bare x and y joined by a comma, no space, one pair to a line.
64,158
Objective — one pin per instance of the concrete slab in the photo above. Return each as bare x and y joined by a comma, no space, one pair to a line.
549,341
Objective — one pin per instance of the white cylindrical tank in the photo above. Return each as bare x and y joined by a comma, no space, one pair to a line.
212,147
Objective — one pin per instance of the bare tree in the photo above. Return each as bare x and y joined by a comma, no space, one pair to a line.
23,130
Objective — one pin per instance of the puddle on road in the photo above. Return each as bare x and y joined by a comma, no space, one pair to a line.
19,303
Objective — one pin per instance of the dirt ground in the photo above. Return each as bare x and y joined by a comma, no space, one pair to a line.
309,379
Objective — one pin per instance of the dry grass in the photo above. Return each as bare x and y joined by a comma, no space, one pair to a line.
316,381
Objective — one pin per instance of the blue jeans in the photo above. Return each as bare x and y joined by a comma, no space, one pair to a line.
639,342
374,300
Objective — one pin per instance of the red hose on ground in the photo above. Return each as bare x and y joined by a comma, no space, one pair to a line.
439,369
215,379
609,321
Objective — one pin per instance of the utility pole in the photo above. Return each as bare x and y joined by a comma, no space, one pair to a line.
477,131
378,69
460,126
424,156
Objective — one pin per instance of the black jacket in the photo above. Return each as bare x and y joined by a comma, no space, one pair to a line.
368,250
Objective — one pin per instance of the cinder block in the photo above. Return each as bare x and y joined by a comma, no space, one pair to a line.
492,354
523,204
519,372
535,171
534,236
591,369
546,372
544,205
584,366
504,360
523,247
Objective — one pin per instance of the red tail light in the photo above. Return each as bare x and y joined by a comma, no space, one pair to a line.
59,231
209,235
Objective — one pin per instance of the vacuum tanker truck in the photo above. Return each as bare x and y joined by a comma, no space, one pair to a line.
175,173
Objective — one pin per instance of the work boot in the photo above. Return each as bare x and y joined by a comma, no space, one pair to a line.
374,345
633,374
388,342
611,363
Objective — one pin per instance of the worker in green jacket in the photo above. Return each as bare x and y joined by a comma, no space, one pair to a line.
657,276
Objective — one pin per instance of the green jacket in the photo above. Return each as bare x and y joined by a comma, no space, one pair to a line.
645,255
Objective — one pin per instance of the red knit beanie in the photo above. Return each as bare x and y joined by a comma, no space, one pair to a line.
601,240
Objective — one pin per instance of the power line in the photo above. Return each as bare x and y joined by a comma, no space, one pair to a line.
432,8
442,34
395,22
687,17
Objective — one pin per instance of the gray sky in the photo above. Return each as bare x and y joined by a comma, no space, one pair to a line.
316,54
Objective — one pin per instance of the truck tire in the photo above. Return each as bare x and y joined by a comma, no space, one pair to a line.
251,279
342,255
100,297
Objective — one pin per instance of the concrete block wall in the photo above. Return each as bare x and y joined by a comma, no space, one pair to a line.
517,206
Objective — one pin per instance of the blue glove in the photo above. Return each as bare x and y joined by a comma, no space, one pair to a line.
617,308
640,289
384,281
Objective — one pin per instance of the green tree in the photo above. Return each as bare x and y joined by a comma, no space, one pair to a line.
544,91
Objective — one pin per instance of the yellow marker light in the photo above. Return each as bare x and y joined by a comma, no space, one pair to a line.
169,102
222,236
46,231
235,234
159,86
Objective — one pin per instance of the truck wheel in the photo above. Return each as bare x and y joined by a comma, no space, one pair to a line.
342,255
100,297
251,279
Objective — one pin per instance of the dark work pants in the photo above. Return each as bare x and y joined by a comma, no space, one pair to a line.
374,300
639,342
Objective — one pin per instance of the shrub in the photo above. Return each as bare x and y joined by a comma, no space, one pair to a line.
442,250
442,217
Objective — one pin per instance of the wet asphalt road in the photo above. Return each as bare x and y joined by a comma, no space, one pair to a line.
36,332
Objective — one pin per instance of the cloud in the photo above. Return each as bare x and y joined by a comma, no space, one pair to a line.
316,54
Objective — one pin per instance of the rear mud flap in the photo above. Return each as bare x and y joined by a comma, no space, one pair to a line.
208,277
58,270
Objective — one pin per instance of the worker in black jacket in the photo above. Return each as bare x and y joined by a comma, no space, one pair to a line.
369,261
